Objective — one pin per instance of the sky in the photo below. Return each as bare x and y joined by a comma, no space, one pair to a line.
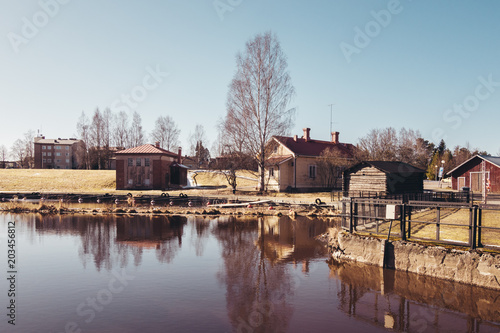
421,64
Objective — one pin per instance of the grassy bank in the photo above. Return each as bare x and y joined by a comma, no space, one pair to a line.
42,180
103,181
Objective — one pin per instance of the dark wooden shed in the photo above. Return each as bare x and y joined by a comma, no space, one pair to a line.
381,178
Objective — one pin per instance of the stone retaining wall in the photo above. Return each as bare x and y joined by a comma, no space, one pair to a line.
470,267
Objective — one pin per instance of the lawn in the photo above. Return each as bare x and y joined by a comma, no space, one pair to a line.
103,181
60,180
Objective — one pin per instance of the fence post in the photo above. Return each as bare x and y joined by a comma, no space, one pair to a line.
402,221
473,227
479,223
351,219
438,220
409,221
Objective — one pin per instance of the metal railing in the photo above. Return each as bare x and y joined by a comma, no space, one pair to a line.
455,223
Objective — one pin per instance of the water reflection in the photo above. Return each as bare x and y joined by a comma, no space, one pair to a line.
110,240
407,302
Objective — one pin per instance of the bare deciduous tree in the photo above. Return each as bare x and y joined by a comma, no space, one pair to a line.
388,145
258,98
3,155
120,130
166,133
330,167
83,129
29,148
136,133
18,151
198,143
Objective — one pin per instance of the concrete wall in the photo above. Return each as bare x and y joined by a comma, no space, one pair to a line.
470,267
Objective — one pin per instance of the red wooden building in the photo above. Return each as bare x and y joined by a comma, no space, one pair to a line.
470,174
149,167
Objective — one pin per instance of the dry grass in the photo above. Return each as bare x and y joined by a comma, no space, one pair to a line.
38,180
454,226
218,179
103,181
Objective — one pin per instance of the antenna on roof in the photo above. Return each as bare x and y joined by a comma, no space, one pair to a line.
331,117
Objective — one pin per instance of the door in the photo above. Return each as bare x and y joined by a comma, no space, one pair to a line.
461,183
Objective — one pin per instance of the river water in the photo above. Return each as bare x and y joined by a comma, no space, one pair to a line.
97,273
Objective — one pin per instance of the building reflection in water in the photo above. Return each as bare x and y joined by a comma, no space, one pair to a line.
408,302
110,240
259,283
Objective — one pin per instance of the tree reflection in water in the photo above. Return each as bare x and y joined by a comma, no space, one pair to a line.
257,289
109,240
407,302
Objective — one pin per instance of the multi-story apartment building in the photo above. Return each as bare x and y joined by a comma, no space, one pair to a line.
56,153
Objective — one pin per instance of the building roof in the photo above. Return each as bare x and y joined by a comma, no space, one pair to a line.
495,160
148,149
277,160
56,141
302,147
393,167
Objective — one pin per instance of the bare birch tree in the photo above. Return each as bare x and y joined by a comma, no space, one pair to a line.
29,148
136,134
83,129
166,133
3,155
258,98
18,152
198,145
120,130
97,138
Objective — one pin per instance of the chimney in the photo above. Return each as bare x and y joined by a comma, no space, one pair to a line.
295,138
157,144
335,137
179,158
306,133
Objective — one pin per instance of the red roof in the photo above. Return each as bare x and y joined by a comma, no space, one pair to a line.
314,147
147,149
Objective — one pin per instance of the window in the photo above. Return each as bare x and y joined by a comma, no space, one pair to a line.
312,171
58,161
67,160
67,154
49,147
130,162
146,162
131,182
146,181
138,162
271,172
44,160
58,154
57,147
67,147
49,154
49,160
44,147
44,154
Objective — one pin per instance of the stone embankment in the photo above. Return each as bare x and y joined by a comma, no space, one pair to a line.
470,267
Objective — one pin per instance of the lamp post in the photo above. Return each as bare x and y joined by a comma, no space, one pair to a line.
441,173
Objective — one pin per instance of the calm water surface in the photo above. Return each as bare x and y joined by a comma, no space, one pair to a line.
85,273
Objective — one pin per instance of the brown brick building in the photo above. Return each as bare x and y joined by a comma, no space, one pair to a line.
56,153
149,167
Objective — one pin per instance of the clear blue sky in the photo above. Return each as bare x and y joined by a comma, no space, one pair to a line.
413,68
